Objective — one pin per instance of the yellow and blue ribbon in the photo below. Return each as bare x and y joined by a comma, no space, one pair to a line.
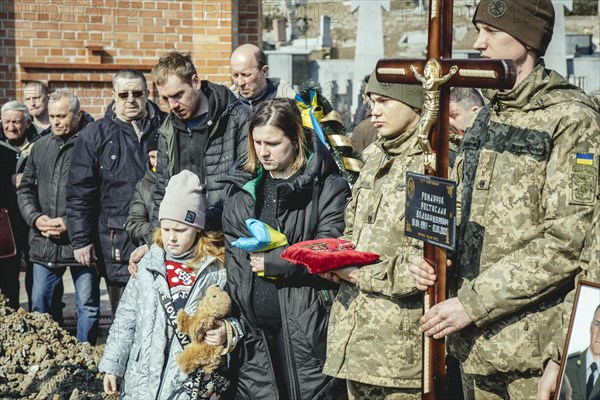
312,113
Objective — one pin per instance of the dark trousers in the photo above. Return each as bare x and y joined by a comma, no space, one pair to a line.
276,344
9,279
115,291
29,282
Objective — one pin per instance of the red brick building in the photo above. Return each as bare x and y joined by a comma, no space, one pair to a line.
78,44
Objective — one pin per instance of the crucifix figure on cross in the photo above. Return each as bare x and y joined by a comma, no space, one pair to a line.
432,80
440,72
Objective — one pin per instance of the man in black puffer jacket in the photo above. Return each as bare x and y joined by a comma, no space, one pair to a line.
206,131
108,160
42,200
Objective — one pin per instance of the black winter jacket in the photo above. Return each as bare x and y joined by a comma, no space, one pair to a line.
311,206
22,151
141,208
271,92
106,164
227,129
12,162
43,192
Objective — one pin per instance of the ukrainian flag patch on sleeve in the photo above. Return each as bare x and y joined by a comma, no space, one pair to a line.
584,159
584,179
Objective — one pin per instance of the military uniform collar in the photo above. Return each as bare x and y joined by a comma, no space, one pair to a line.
589,359
519,96
397,145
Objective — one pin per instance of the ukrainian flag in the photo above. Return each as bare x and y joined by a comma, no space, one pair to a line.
584,159
263,237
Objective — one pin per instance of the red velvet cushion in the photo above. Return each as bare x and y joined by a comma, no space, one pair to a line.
322,255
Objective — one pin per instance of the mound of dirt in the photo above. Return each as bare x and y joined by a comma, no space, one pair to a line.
40,360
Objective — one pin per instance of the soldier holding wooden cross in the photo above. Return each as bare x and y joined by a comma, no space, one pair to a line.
528,176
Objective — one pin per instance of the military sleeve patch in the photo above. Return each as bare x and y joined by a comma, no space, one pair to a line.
485,170
584,179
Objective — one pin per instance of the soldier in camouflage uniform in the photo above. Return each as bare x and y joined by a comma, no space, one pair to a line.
528,173
373,336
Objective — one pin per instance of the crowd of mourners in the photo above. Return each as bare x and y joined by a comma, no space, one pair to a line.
158,203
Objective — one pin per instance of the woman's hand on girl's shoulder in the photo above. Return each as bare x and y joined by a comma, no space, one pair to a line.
135,258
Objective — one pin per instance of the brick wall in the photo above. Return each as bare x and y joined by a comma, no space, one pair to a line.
7,52
77,45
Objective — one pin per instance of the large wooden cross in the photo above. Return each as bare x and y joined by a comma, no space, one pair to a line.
437,74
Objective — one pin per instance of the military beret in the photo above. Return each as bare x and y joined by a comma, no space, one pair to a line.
412,95
529,21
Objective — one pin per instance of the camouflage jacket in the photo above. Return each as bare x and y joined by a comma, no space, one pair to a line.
373,334
528,172
589,262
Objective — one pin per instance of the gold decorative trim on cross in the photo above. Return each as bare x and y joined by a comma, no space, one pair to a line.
392,71
477,73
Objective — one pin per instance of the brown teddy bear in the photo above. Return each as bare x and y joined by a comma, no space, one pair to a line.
215,305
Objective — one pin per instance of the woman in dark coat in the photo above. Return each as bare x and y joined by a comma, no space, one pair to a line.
291,183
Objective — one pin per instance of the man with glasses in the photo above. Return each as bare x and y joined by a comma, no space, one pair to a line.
249,71
108,160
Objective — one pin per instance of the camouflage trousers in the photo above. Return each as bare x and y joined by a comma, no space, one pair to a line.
500,387
363,391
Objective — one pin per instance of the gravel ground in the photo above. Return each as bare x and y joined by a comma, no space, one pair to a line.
40,360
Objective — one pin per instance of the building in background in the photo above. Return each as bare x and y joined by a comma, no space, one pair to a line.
77,45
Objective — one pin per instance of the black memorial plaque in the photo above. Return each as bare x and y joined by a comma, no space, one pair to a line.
431,210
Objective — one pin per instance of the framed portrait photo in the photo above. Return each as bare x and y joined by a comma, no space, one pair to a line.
579,376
